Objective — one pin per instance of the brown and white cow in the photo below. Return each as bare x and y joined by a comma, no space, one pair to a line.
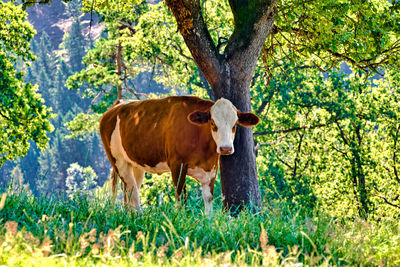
184,135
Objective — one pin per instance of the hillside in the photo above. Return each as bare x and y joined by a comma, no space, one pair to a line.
55,21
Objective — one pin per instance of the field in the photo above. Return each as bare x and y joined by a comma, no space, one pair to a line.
93,231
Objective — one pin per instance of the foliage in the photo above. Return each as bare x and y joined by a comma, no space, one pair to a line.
83,124
323,34
80,180
330,139
23,116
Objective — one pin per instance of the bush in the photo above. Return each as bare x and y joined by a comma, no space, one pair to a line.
80,179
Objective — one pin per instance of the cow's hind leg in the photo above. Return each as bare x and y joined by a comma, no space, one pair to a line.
131,191
125,201
139,176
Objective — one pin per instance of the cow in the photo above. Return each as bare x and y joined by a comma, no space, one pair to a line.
184,135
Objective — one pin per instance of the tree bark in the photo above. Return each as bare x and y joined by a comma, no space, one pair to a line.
229,75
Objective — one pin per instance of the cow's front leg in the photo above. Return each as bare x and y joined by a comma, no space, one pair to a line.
207,190
179,178
133,195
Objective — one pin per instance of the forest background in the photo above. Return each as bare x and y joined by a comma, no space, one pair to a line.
329,135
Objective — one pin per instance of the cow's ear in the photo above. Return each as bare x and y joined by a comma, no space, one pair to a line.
247,119
199,117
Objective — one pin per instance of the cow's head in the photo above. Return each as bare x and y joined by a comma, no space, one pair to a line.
223,118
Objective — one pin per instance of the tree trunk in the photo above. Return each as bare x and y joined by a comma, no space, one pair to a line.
239,170
229,75
362,190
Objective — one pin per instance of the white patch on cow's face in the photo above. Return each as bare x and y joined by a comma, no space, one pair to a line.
224,116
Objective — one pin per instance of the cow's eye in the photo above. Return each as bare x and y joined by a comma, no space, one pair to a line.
214,127
234,129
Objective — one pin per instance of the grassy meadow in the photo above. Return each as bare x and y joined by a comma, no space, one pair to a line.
91,230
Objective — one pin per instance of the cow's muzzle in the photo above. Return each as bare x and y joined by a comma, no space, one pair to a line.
226,150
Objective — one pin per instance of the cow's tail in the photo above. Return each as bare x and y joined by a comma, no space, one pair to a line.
114,183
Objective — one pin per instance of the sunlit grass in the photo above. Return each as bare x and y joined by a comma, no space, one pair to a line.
87,231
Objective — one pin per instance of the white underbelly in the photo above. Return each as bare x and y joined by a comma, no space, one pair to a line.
120,155
160,168
201,175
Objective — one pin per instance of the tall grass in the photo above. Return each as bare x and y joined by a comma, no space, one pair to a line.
87,231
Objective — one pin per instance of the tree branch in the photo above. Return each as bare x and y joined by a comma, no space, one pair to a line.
387,201
394,154
342,134
296,159
262,106
341,152
93,100
4,116
295,129
253,21
126,25
282,161
130,90
265,102
91,16
180,51
274,141
191,25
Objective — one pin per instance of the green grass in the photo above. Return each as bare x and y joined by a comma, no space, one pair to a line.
85,231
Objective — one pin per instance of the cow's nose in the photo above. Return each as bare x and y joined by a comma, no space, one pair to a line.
227,150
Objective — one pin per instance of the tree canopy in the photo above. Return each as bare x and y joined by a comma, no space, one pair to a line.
23,116
322,34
